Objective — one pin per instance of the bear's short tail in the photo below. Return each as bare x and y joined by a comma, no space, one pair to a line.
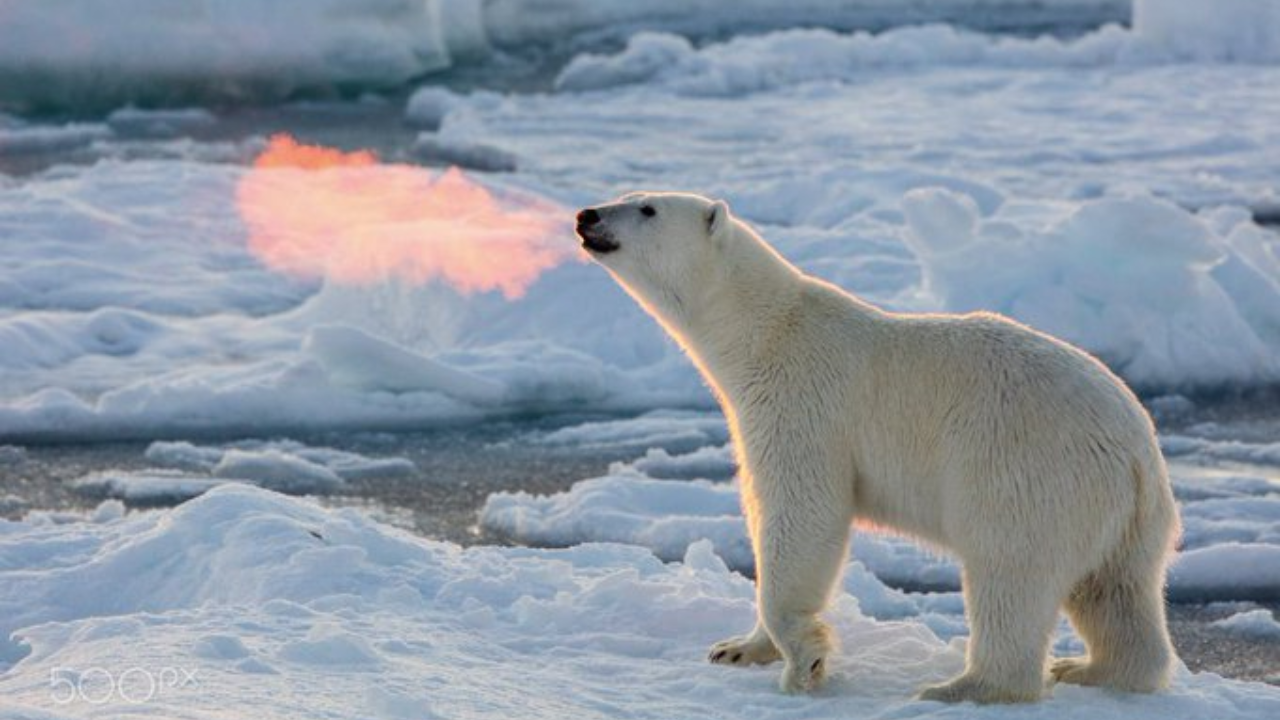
1156,528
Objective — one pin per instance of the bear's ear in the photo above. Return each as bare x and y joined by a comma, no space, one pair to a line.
717,218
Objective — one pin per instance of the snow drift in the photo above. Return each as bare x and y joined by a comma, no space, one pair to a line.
263,600
1155,292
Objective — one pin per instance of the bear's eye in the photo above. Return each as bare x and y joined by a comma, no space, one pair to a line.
648,211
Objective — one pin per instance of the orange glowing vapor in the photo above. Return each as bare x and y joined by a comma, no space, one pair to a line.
320,212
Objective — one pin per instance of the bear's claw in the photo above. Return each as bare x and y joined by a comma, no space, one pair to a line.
746,650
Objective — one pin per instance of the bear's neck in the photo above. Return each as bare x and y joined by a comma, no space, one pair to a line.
730,329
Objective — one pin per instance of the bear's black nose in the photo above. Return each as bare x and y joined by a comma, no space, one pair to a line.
588,217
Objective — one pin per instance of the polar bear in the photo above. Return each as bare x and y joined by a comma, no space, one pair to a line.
1018,453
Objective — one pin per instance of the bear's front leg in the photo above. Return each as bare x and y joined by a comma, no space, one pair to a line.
756,648
802,547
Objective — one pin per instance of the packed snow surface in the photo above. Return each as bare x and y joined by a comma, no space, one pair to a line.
244,602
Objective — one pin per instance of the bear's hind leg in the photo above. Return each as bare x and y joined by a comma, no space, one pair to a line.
1011,616
1122,621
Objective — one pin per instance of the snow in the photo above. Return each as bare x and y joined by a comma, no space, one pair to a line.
159,285
1203,450
430,149
166,294
1163,31
714,463
429,105
142,488
1230,548
16,139
265,605
275,469
353,358
1211,30
185,470
238,49
510,22
1258,623
202,49
1107,272
752,64
134,122
1227,571
248,48
660,429
345,464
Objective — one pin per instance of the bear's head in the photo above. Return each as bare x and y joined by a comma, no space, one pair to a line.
664,248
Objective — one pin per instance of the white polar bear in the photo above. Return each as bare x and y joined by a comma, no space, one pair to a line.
1017,452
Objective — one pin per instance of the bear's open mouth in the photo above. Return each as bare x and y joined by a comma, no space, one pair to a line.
596,241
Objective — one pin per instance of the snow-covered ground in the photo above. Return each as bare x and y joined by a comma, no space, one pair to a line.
168,277
244,602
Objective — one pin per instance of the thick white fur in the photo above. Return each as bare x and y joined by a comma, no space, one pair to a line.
1020,454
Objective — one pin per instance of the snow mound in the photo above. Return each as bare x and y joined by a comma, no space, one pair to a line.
662,515
429,105
285,466
145,488
277,470
1258,623
342,463
1201,450
678,430
434,150
263,599
354,358
104,512
135,122
710,462
32,139
1231,542
1157,293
